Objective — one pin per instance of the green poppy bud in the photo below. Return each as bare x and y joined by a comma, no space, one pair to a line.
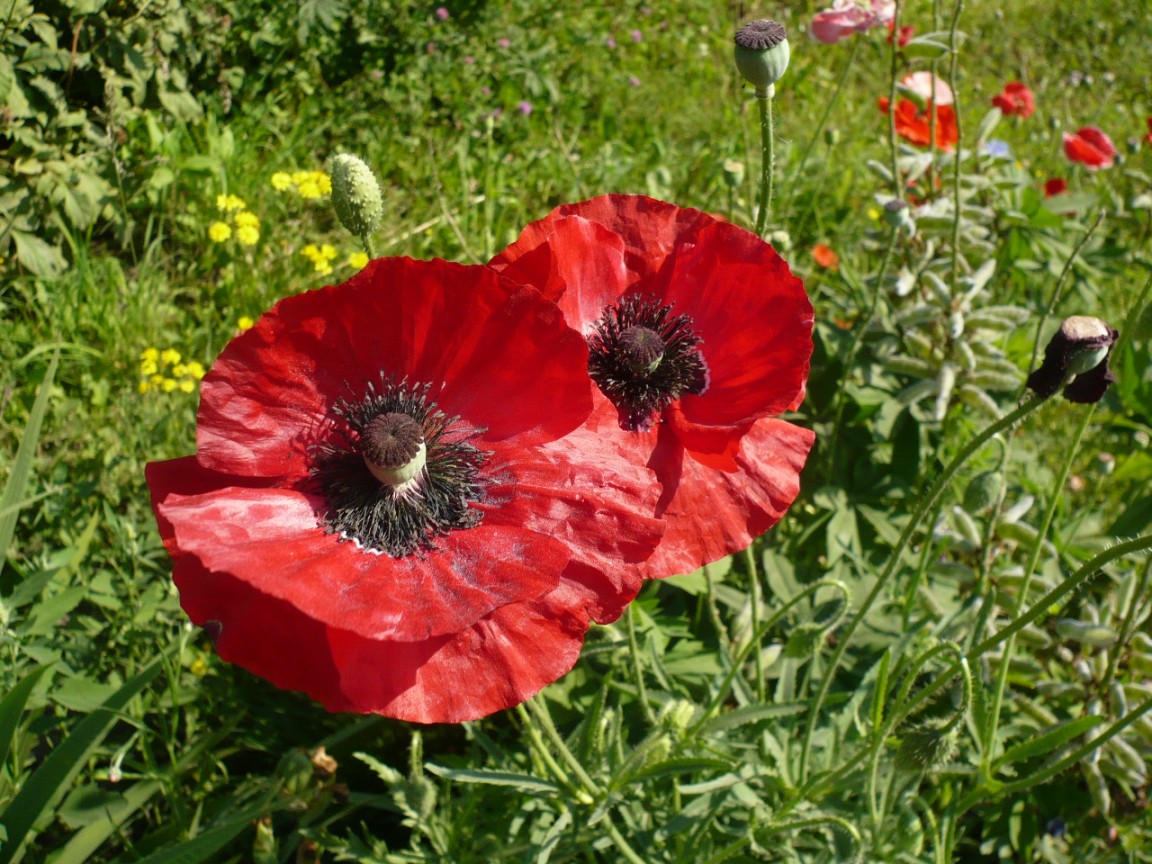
927,746
356,194
762,54
898,215
733,173
982,491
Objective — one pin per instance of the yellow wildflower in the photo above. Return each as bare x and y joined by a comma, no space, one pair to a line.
281,181
322,267
168,385
156,380
359,260
245,323
195,369
309,189
246,219
218,232
148,367
873,214
179,370
152,354
228,203
143,387
328,251
198,668
187,385
170,356
246,235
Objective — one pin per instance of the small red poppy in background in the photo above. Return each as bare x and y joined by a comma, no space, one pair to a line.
1055,186
394,506
1148,137
1015,100
905,36
825,257
913,124
698,334
1091,147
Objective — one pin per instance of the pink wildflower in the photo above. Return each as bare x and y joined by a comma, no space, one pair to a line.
846,17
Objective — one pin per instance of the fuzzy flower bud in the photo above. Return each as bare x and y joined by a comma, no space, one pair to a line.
762,54
898,215
927,746
356,194
1077,359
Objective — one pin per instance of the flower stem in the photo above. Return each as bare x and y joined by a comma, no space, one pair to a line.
754,599
637,666
767,157
369,246
922,509
544,719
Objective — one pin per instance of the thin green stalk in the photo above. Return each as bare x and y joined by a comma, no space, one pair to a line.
922,509
754,585
1029,570
829,105
1058,289
1039,609
894,78
954,50
543,752
637,666
767,157
544,718
618,840
1136,596
369,246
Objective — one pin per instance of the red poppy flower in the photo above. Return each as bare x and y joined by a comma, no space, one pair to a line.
913,124
1055,186
1016,99
699,334
1148,137
904,37
826,257
393,506
1091,147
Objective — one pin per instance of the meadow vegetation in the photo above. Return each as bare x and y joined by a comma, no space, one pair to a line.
941,653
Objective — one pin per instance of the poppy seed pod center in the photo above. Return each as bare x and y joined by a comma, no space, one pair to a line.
402,474
393,448
643,358
642,347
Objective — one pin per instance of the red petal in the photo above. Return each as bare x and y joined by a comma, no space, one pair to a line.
271,539
711,513
504,359
755,321
495,664
580,266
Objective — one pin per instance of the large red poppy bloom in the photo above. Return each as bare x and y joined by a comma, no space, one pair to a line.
1015,99
914,124
1091,147
438,585
699,335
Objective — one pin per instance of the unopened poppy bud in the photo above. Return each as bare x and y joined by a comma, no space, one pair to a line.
676,717
780,240
982,491
1077,359
898,215
356,195
1086,632
762,54
927,746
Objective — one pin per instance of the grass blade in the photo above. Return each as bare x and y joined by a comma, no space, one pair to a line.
22,465
51,780
12,706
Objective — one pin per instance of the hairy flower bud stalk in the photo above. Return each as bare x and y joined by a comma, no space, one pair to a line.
356,197
762,54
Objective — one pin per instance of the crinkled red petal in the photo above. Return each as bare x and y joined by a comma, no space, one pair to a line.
711,513
755,321
497,356
272,539
497,662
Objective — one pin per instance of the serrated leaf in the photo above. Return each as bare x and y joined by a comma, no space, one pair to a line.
672,767
38,256
738,717
524,782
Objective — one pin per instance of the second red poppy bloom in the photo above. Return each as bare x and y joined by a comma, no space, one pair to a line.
698,334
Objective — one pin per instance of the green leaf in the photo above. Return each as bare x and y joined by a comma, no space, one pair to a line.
38,256
112,815
51,780
753,714
670,767
12,706
1049,741
204,846
524,782
22,465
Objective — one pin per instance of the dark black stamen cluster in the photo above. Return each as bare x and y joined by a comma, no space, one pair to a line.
619,343
403,520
